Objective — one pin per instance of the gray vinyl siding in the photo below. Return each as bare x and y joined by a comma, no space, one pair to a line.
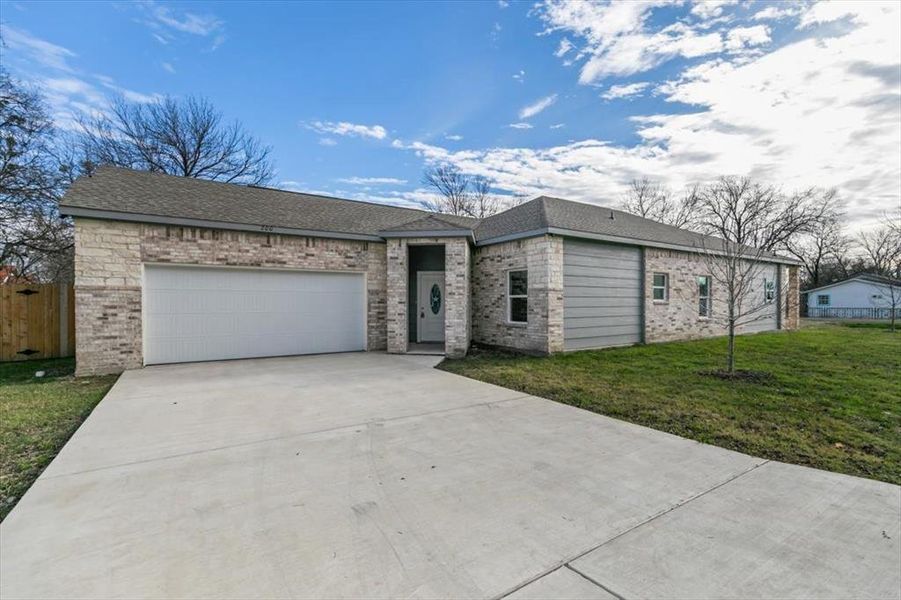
602,295
765,319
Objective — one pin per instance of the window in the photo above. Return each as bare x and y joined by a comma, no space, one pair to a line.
660,288
769,291
704,296
518,296
822,299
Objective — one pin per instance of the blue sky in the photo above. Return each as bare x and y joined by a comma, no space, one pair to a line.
573,99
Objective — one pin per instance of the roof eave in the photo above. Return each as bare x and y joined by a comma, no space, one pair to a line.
111,215
428,233
616,240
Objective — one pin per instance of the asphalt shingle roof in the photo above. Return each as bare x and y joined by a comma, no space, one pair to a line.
139,193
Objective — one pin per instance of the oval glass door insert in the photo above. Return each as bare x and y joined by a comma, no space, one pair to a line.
435,298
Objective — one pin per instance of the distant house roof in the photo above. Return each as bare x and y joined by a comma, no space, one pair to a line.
864,277
124,194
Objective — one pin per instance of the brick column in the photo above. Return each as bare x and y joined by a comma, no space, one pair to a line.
792,317
457,321
397,296
554,253
107,297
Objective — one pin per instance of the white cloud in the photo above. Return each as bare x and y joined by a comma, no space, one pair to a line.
168,67
625,90
68,92
832,120
503,3
536,107
187,22
41,51
520,77
373,181
167,22
744,37
709,9
348,129
564,47
618,40
454,137
558,125
519,126
777,12
326,141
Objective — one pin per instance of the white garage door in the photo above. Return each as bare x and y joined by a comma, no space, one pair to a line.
196,313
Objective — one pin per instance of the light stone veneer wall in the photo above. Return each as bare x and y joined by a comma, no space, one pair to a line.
457,277
108,277
677,318
543,258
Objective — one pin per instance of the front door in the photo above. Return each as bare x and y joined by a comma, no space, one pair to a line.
430,327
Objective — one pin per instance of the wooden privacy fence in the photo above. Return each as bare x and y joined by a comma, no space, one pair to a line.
36,321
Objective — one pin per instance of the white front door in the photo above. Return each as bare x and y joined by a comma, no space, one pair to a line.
430,326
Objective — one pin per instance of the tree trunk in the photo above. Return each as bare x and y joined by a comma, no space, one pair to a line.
731,352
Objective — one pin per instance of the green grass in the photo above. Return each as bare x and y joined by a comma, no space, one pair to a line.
37,416
833,402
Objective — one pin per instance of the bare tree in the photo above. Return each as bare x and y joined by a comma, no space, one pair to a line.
751,221
34,240
461,194
824,248
753,214
882,247
888,297
180,137
652,200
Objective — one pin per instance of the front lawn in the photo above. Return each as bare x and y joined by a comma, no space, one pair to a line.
37,416
834,401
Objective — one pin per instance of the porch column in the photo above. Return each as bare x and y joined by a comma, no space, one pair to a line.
457,315
397,296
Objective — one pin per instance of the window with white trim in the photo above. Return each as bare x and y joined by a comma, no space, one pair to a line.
518,296
823,300
660,287
769,291
704,299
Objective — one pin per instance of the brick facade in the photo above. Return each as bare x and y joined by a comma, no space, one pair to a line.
542,257
457,276
108,277
677,318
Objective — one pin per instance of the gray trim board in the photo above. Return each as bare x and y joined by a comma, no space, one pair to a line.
437,233
582,235
93,213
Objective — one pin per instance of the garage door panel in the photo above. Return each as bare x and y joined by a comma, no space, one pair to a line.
602,299
195,313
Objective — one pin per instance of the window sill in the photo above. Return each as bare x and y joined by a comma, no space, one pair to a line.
516,324
660,301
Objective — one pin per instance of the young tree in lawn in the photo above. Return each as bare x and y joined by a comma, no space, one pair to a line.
461,194
888,296
652,200
752,221
185,137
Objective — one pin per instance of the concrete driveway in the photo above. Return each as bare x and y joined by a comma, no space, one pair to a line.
368,475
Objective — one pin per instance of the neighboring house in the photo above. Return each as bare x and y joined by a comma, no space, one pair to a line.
860,297
9,274
171,269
